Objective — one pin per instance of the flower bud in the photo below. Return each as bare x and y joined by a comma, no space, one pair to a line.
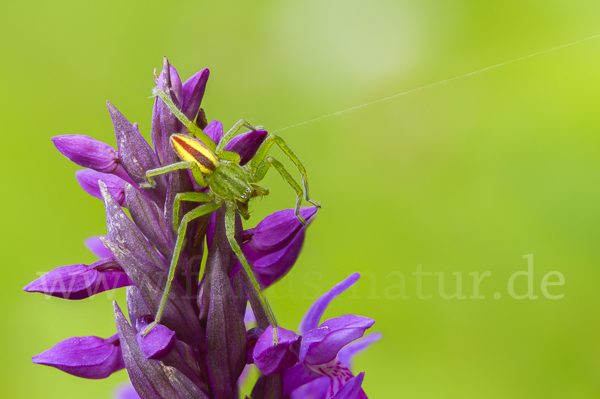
277,230
81,281
158,343
247,144
87,152
193,91
88,180
274,359
86,357
214,130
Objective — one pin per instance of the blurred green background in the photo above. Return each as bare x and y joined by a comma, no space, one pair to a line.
462,177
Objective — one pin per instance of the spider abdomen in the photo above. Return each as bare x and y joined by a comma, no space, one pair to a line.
229,181
192,150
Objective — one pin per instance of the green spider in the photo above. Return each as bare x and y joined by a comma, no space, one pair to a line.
229,183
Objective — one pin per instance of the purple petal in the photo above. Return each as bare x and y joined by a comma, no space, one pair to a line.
268,387
126,391
193,91
225,331
150,219
349,351
151,379
313,390
351,389
297,376
270,268
81,281
277,230
321,345
214,130
247,144
136,306
314,313
164,122
87,357
135,154
158,343
175,81
252,336
274,359
88,180
179,315
87,152
122,231
95,245
249,316
184,359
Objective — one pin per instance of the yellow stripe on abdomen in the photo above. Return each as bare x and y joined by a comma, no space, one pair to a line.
192,150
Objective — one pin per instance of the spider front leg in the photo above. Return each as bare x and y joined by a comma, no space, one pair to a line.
262,171
262,152
191,215
198,176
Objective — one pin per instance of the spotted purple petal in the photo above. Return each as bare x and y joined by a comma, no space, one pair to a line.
81,281
274,359
351,389
87,357
314,313
88,180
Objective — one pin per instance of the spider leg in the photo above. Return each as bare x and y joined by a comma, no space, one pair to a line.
262,171
198,176
234,131
261,154
230,231
192,197
191,126
191,215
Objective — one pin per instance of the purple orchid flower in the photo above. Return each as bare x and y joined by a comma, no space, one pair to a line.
200,349
316,365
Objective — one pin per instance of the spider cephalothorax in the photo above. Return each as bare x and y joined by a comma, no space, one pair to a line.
229,183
